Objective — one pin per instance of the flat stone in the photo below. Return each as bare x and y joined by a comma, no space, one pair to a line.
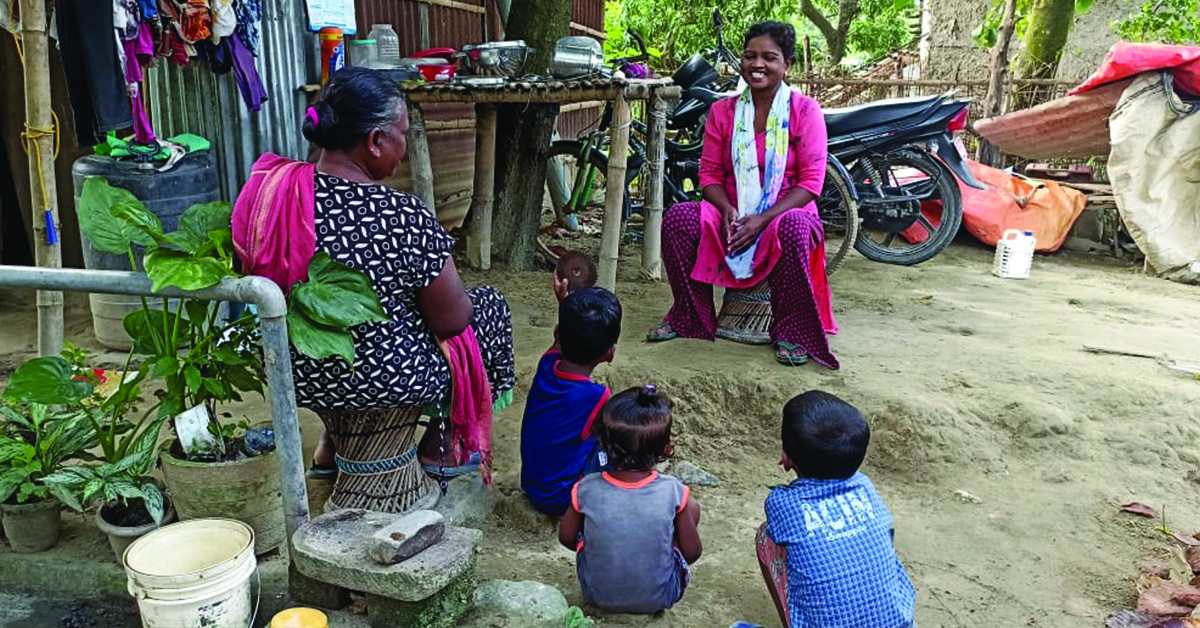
524,603
467,502
440,610
407,537
693,475
336,547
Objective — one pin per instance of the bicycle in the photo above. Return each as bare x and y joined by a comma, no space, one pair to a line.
584,162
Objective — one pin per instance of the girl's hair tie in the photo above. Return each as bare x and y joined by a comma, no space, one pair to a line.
650,389
312,115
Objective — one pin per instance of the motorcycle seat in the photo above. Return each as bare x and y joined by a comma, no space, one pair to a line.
708,96
846,120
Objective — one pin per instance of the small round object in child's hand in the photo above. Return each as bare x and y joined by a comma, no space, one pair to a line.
578,269
300,618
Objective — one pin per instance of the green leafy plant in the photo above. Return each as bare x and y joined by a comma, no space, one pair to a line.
1162,21
41,428
128,446
202,359
322,309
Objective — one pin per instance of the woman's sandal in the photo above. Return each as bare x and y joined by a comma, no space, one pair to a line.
789,354
661,332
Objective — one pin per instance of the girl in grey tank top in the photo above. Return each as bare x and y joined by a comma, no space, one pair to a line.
634,530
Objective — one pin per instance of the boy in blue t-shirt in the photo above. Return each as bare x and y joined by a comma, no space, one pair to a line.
842,568
557,444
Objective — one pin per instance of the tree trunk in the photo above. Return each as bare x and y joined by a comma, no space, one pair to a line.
835,36
1046,30
993,103
523,136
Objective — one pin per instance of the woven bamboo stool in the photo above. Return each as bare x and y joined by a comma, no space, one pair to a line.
377,461
745,315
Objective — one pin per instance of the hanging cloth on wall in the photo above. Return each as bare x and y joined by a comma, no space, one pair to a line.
249,14
224,19
250,84
137,54
95,78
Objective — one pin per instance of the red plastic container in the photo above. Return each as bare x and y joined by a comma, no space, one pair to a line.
437,72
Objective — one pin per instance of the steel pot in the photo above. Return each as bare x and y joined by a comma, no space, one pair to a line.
575,57
497,58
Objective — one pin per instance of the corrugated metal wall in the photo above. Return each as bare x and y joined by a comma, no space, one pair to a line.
194,100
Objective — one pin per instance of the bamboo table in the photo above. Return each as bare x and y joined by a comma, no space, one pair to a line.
619,91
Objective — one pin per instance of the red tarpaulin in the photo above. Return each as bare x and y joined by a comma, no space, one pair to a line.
1126,59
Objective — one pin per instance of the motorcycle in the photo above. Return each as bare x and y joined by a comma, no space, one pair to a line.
901,161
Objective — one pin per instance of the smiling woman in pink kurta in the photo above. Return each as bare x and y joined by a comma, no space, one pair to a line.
790,246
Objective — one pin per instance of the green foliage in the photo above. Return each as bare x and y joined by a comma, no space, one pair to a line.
98,206
36,438
1162,21
889,25
109,482
987,31
321,310
677,30
47,381
201,359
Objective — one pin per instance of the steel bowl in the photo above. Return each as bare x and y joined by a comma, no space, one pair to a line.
497,58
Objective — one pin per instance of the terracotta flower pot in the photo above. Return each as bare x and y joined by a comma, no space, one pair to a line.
32,527
246,490
121,537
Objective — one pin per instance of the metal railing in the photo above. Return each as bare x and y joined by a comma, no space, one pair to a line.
272,312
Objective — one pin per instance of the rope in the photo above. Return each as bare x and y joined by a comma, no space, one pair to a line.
31,137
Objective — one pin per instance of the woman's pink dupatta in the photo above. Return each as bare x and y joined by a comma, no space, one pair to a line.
273,230
470,400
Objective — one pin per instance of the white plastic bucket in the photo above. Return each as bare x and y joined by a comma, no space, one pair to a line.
1014,254
193,574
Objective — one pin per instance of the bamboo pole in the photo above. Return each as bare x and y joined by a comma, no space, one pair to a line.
614,193
418,155
479,248
39,143
652,227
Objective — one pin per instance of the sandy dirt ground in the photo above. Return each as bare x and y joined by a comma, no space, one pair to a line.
1002,449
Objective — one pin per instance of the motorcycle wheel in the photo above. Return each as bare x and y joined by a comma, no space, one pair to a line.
911,173
839,214
565,154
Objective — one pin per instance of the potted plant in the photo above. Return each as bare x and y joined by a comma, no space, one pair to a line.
216,468
41,428
129,502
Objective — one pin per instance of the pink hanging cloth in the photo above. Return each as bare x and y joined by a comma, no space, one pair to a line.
273,223
470,400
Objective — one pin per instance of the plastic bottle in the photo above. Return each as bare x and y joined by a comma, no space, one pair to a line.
387,44
1014,254
333,51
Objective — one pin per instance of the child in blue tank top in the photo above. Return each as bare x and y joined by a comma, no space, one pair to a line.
557,444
